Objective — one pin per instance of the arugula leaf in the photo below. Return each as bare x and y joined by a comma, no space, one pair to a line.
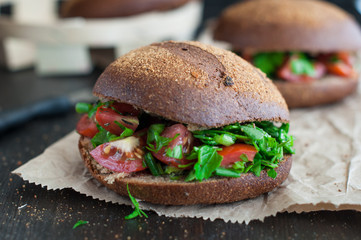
79,223
215,137
272,173
208,161
225,139
268,62
301,65
176,152
137,211
191,176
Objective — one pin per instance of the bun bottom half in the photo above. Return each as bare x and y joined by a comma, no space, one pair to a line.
327,90
162,190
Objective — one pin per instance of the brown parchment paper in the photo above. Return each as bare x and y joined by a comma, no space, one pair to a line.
325,174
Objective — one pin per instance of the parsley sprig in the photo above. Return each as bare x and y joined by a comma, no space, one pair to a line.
137,211
79,223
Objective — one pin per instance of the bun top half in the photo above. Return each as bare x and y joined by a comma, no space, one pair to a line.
286,25
192,83
115,8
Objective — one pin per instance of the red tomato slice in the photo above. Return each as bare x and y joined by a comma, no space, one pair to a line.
125,109
344,57
185,139
341,69
232,154
86,127
107,118
112,157
286,73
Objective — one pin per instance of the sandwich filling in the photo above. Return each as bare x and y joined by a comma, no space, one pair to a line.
303,67
126,140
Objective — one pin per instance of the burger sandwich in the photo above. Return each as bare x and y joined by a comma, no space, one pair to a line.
184,123
307,47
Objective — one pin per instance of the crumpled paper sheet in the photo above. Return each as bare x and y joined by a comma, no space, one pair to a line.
325,174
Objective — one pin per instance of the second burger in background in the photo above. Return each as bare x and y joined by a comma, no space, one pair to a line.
307,47
116,8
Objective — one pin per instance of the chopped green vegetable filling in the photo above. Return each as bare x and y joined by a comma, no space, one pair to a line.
302,65
269,62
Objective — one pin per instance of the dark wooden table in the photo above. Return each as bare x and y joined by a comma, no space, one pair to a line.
32,212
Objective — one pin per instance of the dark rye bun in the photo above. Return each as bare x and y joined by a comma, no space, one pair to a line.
115,8
287,25
162,190
192,83
329,89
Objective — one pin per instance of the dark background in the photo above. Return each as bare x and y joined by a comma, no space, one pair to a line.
52,214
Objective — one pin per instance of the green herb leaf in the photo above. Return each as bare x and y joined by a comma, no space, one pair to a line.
126,131
191,176
83,107
227,172
227,136
256,167
79,223
225,139
208,161
137,211
173,173
176,152
272,173
153,165
301,65
153,131
268,62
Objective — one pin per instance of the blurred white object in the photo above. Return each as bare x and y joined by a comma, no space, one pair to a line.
65,40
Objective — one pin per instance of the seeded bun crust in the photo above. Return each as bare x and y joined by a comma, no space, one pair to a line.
162,190
287,25
192,83
115,8
329,89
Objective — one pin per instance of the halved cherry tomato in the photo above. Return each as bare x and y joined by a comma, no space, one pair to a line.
344,57
86,126
113,155
108,118
125,109
339,63
185,139
341,69
286,73
232,154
